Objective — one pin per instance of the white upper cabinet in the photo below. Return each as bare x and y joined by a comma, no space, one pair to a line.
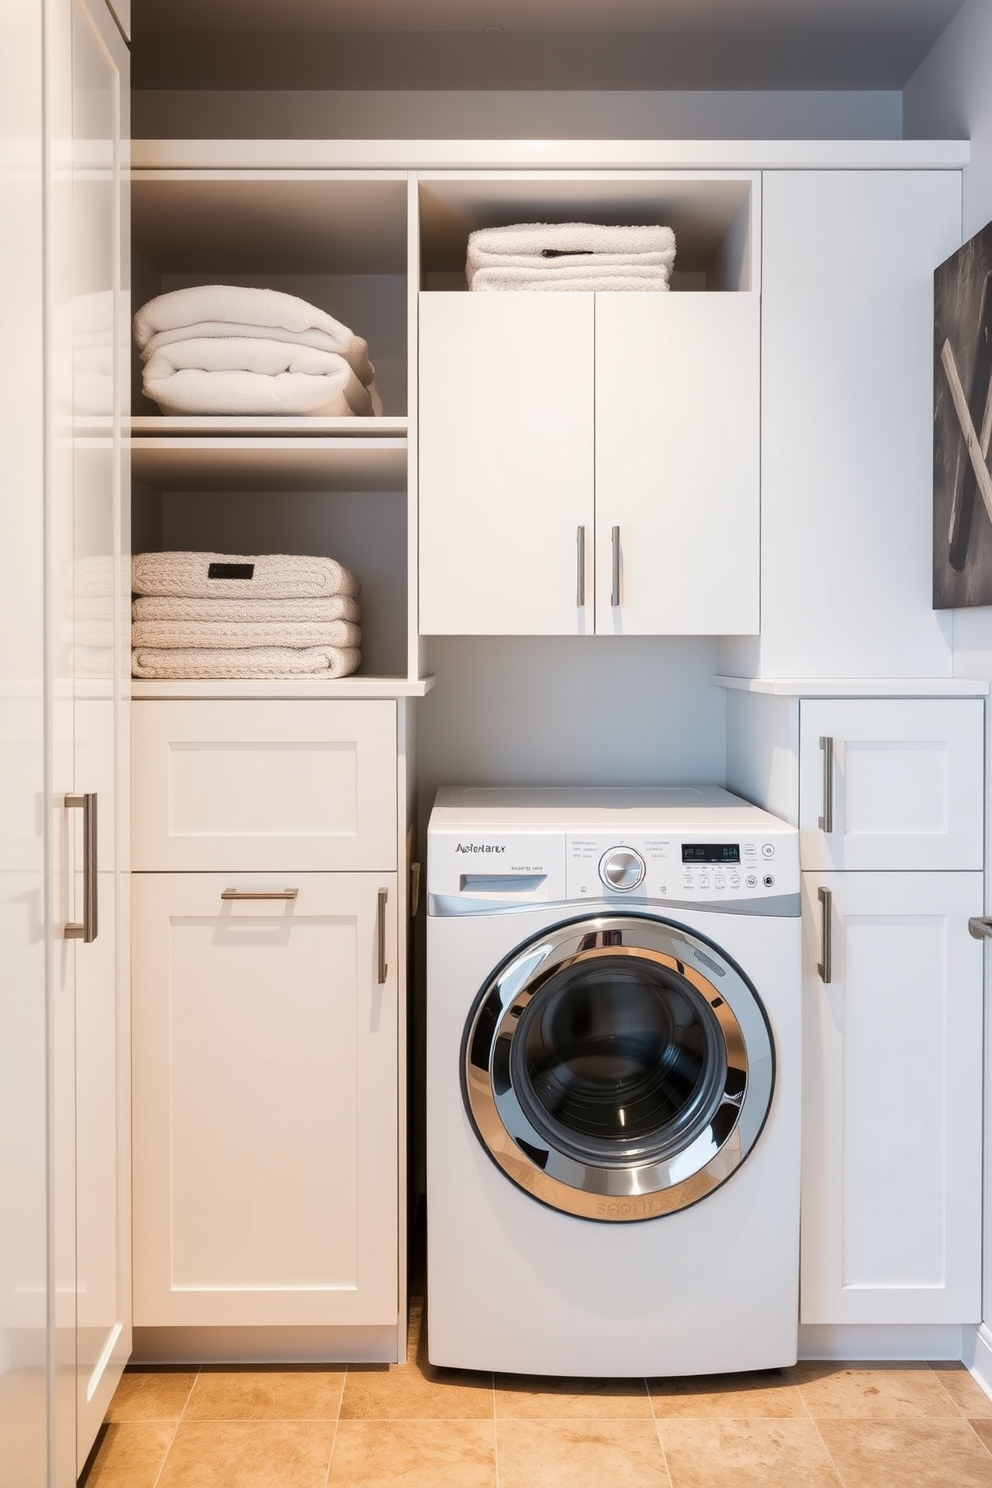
891,783
589,461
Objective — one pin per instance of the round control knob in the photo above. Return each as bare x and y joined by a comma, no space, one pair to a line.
621,868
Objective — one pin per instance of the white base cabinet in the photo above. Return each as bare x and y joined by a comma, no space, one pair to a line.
265,1110
892,1143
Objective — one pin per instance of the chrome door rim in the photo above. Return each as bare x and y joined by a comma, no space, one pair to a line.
607,1189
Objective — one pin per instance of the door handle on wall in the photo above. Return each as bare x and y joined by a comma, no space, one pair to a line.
826,821
825,966
86,929
580,566
980,926
615,593
381,921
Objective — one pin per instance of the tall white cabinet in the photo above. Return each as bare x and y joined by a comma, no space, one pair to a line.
65,1292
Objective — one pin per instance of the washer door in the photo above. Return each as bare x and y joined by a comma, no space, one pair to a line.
618,1068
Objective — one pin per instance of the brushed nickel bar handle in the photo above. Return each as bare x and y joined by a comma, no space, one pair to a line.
980,927
414,889
260,894
826,821
86,931
615,595
580,566
825,967
381,919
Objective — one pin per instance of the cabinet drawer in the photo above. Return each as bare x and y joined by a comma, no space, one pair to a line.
891,784
268,784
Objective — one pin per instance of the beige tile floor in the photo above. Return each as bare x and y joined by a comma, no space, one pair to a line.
416,1426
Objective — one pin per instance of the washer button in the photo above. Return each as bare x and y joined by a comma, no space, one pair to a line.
768,849
720,882
704,882
752,881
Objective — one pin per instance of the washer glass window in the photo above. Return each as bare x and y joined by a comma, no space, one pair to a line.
618,1068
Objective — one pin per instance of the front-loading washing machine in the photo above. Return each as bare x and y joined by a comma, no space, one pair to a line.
613,1082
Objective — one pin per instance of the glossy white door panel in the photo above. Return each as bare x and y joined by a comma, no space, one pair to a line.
905,776
892,1169
506,463
265,1101
89,397
677,463
846,422
23,784
265,784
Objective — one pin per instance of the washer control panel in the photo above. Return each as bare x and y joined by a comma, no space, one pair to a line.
690,870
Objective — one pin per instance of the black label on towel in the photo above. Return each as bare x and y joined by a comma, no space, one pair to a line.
566,252
231,571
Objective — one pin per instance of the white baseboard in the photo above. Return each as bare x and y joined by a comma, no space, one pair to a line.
885,1341
977,1355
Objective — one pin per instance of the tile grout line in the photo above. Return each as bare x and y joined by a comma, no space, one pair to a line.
337,1423
175,1426
657,1432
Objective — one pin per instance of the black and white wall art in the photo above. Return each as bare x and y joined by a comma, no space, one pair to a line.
962,483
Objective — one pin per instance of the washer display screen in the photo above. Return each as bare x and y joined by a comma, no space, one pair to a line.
711,852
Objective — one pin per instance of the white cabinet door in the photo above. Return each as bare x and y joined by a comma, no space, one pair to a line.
677,472
265,1101
896,782
506,464
892,1144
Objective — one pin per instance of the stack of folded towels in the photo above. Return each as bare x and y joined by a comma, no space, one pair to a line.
228,349
231,615
570,255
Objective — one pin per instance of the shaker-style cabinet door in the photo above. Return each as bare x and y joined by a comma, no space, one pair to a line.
892,1099
891,783
677,463
265,1100
506,464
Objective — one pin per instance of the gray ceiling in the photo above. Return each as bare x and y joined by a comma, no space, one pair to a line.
541,44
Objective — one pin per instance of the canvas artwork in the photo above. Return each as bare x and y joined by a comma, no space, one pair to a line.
962,483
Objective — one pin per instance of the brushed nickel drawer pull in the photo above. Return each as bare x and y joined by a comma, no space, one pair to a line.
86,931
580,566
825,967
826,821
260,894
381,917
615,595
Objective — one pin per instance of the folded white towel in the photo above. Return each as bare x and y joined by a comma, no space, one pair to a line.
240,576
241,634
238,305
544,246
235,375
571,278
258,662
356,356
287,611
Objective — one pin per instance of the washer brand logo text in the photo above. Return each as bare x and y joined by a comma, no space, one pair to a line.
478,847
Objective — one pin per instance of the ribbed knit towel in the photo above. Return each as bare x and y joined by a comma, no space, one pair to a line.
240,576
257,662
245,311
544,246
241,634
282,611
235,375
